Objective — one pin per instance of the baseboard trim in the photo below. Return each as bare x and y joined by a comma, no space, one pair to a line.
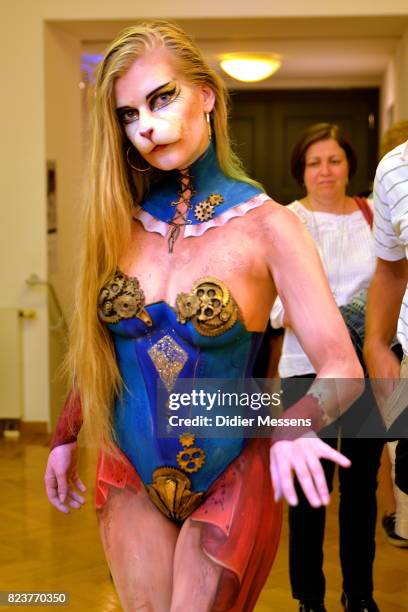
30,428
26,428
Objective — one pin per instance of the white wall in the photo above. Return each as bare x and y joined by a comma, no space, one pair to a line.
388,95
64,147
105,9
22,244
401,77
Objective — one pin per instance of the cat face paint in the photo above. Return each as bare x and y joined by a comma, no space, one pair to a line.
162,114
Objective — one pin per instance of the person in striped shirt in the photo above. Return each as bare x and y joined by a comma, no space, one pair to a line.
384,316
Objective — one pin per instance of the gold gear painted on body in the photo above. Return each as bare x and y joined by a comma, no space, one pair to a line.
192,458
122,298
204,210
215,198
187,439
171,488
171,492
209,306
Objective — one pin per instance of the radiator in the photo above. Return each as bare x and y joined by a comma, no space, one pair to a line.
11,367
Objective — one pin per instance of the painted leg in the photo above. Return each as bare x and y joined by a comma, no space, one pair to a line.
139,544
196,577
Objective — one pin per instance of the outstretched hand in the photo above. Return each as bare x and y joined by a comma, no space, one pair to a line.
61,478
301,458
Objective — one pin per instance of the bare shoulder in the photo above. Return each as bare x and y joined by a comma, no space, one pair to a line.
278,225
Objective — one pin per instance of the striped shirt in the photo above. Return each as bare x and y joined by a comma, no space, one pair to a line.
391,219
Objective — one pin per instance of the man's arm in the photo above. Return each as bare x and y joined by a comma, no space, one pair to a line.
384,303
389,282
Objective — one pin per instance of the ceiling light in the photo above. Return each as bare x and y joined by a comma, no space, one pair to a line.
250,67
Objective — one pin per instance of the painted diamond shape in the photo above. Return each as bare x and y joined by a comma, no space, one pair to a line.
169,359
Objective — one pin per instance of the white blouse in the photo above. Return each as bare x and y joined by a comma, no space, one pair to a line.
346,246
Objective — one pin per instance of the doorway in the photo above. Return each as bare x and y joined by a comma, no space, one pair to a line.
266,124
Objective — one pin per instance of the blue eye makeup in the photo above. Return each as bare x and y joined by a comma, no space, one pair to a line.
165,96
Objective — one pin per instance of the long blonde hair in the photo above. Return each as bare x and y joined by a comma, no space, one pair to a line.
111,194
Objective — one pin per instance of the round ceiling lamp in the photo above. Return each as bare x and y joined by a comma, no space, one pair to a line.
250,67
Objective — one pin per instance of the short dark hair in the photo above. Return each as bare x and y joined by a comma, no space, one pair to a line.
316,133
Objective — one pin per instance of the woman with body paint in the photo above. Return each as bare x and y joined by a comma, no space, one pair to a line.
183,258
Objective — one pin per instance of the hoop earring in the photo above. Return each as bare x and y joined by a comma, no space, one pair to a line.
134,167
207,118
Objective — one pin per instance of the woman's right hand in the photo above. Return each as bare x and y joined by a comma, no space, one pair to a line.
61,478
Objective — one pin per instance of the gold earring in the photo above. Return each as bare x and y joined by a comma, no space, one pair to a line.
134,167
207,117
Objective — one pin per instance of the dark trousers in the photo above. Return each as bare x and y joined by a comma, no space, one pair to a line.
357,520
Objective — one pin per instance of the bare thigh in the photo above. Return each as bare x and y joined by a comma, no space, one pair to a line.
196,577
139,543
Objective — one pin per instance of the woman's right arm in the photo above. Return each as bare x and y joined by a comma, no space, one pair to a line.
69,421
61,475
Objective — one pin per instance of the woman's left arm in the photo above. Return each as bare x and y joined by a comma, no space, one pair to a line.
299,277
297,272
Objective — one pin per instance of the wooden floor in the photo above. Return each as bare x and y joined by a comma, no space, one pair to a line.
43,550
